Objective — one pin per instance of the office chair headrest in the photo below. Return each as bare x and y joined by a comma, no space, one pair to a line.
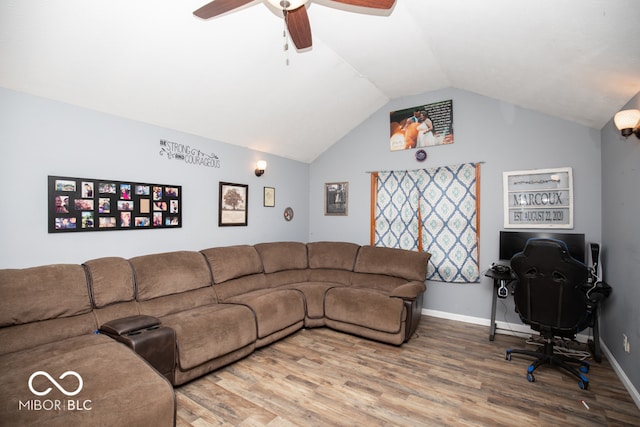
535,245
543,254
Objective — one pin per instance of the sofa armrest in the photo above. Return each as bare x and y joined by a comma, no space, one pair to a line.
409,291
126,325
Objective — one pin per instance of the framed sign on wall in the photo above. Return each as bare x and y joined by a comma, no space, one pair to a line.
539,198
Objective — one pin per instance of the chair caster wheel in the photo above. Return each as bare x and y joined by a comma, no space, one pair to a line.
507,356
530,377
583,383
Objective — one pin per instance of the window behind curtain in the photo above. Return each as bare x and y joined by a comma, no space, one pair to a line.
435,210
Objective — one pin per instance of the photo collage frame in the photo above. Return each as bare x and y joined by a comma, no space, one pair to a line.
86,204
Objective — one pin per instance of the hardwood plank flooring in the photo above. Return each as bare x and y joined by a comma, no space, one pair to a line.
448,374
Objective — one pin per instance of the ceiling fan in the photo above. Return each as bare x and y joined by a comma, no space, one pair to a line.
294,12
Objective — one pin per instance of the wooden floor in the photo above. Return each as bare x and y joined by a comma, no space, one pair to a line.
449,374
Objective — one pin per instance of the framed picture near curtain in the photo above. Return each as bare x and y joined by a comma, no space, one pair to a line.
336,197
233,206
539,198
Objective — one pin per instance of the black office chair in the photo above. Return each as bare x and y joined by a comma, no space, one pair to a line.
550,297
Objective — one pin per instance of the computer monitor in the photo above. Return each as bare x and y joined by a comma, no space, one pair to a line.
512,242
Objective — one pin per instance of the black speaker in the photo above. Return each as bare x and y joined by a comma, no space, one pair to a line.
595,257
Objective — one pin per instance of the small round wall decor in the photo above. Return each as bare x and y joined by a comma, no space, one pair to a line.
421,155
288,214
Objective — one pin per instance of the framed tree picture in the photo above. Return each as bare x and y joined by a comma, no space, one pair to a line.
336,196
233,206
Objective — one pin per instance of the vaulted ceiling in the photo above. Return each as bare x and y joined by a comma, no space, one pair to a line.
229,78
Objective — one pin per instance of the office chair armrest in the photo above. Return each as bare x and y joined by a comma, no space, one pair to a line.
409,291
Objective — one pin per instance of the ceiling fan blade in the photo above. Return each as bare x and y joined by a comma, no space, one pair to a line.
374,4
299,27
218,7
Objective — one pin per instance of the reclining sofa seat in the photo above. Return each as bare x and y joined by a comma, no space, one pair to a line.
384,298
239,278
176,288
330,265
310,269
47,325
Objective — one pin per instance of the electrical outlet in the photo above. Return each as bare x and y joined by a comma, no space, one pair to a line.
626,344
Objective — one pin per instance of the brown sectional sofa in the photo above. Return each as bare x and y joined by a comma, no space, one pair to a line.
184,314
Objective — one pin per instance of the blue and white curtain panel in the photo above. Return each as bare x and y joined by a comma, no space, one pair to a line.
434,210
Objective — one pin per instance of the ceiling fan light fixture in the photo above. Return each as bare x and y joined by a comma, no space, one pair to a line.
287,4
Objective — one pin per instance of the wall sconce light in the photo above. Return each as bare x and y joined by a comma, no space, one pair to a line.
628,122
260,167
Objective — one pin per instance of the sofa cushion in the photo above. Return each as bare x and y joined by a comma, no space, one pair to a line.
111,281
342,277
175,303
278,256
365,307
118,388
392,262
169,273
209,332
232,262
41,293
29,335
378,282
409,290
239,286
275,309
314,293
332,255
285,277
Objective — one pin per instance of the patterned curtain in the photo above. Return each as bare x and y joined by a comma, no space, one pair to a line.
435,210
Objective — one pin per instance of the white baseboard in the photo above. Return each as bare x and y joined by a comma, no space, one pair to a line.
501,327
506,328
633,392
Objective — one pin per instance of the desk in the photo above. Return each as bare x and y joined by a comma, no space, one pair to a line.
598,294
498,279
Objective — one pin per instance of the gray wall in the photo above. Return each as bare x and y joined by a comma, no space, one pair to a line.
502,135
40,137
621,244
